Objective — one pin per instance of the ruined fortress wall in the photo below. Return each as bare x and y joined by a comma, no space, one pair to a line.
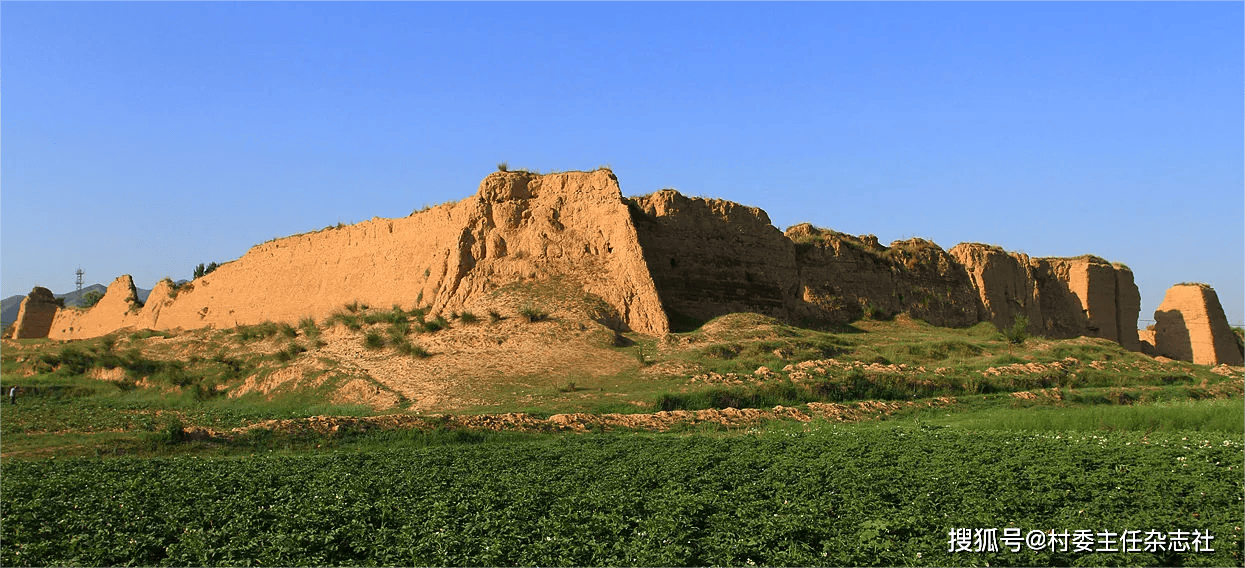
710,257
1088,296
35,315
1190,325
117,309
1127,308
570,225
842,277
930,284
519,226
1004,283
650,259
1061,297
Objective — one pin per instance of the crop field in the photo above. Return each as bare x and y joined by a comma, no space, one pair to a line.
814,494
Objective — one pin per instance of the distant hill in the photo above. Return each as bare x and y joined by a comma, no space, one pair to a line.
9,306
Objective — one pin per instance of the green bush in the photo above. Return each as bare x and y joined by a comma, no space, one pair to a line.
349,320
468,317
290,352
309,327
89,299
533,314
435,325
1017,333
494,316
373,340
202,270
407,348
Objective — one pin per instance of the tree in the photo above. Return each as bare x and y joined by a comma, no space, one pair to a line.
89,299
201,270
1018,332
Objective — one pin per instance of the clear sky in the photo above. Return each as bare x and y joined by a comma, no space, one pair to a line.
145,138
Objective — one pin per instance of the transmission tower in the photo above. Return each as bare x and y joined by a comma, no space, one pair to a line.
79,273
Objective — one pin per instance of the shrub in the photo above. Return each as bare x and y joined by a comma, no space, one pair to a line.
400,328
407,348
720,351
533,314
309,327
174,432
493,316
468,317
287,330
1016,334
437,324
503,166
89,299
373,340
348,320
202,270
353,307
260,331
290,352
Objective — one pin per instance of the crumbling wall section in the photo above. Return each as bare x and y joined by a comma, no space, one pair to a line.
36,314
1190,325
843,277
1004,283
519,226
118,309
710,257
1088,296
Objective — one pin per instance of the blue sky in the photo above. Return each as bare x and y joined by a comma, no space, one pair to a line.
145,138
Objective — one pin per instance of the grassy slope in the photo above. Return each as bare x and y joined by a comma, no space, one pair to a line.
160,381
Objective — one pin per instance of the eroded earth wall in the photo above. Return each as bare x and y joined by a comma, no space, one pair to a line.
1005,284
518,226
1190,325
842,277
652,260
711,257
34,317
118,308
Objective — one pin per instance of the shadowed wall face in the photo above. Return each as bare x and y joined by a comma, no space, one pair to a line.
1171,335
1190,326
34,317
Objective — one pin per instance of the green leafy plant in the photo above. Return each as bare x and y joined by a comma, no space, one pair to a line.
437,324
89,299
407,348
1017,333
533,314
